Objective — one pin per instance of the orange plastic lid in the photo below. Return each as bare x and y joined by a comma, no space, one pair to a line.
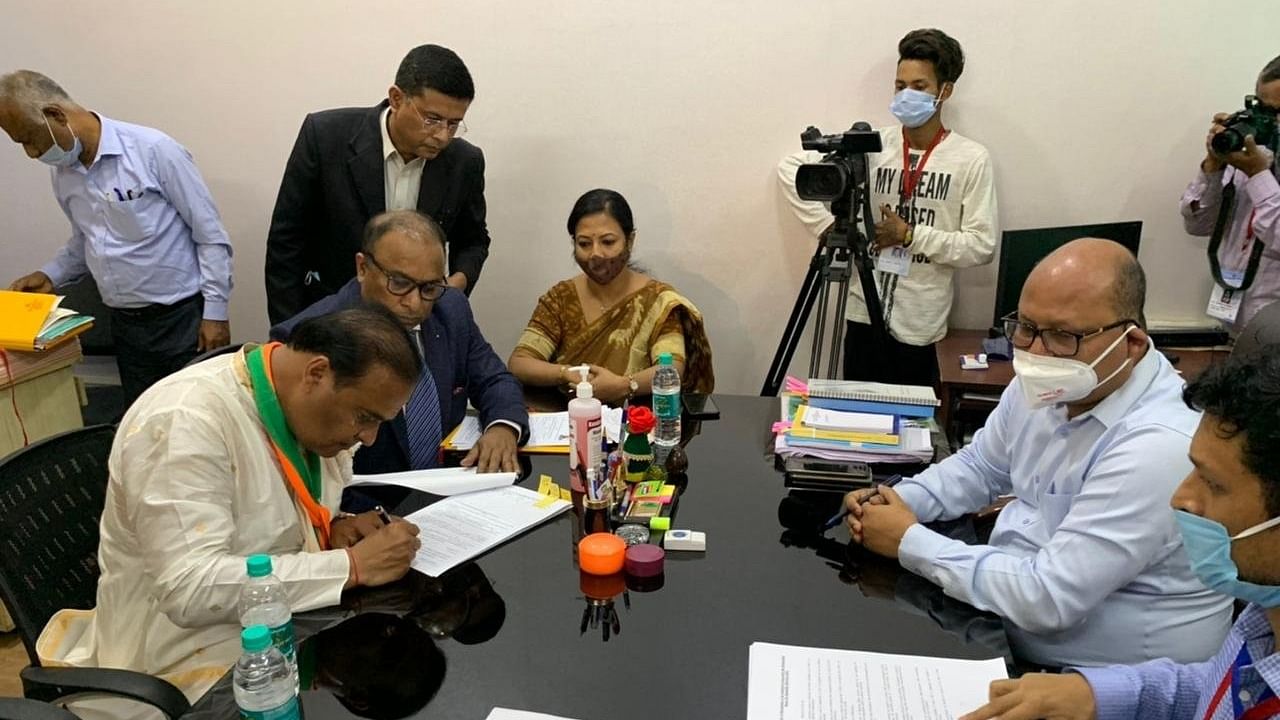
601,553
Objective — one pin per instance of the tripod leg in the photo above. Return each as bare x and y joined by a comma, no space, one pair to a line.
837,340
795,324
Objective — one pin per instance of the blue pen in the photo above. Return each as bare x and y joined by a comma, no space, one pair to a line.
840,516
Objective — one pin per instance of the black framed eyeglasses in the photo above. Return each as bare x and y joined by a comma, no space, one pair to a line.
400,285
1060,343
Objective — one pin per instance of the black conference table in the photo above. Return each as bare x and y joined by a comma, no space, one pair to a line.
680,651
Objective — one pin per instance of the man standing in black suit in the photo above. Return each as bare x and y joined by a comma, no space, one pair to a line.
349,164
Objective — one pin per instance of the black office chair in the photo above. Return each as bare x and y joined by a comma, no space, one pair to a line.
233,347
51,498
20,709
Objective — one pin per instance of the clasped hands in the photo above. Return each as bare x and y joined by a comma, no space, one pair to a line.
878,519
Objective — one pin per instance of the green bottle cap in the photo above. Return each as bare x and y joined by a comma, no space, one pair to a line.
258,565
665,359
255,638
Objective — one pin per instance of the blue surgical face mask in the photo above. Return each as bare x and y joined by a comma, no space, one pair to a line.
55,155
913,108
1209,547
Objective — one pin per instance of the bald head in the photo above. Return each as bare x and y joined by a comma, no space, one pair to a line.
1086,283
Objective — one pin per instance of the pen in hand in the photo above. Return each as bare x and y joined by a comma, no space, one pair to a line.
844,512
382,514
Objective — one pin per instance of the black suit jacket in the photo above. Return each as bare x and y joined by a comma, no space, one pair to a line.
460,360
335,181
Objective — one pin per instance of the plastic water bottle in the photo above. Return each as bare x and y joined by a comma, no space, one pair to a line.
666,405
265,683
263,602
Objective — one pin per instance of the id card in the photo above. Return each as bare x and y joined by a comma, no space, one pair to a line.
1224,304
895,260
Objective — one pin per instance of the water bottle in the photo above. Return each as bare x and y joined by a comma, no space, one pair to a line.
263,602
666,405
265,683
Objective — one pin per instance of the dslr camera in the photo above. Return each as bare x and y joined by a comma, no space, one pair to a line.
1255,119
828,180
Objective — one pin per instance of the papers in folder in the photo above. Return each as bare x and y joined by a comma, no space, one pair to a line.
33,321
800,683
548,432
462,527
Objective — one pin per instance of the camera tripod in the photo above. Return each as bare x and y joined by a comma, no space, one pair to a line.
842,249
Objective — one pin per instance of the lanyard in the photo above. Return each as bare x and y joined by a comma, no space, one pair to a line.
911,178
1267,704
301,467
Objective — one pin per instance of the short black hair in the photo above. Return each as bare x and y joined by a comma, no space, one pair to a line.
1271,72
936,47
1130,290
410,222
1243,395
601,200
357,339
431,67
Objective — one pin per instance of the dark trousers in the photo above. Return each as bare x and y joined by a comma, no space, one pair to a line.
154,341
896,363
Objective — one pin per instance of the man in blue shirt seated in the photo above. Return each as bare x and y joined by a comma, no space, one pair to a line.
142,224
1085,564
401,267
1228,508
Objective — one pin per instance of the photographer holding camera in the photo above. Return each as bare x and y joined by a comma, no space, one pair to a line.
1235,200
936,211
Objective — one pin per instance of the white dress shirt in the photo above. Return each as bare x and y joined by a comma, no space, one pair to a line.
403,179
194,490
1086,564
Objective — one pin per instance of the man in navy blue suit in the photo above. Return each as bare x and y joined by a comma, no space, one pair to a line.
401,266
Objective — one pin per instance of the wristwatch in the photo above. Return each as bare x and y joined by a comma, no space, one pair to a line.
633,385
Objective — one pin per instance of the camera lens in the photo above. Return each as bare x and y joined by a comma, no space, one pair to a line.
1228,141
820,181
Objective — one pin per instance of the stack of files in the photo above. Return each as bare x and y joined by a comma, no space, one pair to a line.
915,445
912,401
34,322
16,365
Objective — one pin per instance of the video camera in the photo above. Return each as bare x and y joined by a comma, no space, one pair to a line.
1255,119
828,180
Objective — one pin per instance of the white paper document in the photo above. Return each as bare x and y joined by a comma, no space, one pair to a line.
439,481
505,714
545,429
848,421
801,683
461,527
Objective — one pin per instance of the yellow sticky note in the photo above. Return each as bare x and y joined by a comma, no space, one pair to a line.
545,502
545,485
565,494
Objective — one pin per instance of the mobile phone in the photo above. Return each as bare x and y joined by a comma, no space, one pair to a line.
700,406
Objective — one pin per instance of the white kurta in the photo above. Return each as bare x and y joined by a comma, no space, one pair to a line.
194,489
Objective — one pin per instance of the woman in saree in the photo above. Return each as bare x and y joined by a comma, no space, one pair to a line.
611,316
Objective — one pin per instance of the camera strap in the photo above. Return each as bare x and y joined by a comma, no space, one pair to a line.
1225,212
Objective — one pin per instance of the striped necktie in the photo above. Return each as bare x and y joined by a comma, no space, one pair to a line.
422,415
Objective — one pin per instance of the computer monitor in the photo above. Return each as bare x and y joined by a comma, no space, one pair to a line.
1020,250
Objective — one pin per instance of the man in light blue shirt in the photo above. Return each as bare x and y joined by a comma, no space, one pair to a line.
1085,564
1228,509
142,224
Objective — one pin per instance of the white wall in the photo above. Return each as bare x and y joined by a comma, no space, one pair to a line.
1093,110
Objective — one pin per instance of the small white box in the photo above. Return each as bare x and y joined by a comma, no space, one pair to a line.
685,540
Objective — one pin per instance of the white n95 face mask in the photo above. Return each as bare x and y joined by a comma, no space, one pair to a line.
1048,380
